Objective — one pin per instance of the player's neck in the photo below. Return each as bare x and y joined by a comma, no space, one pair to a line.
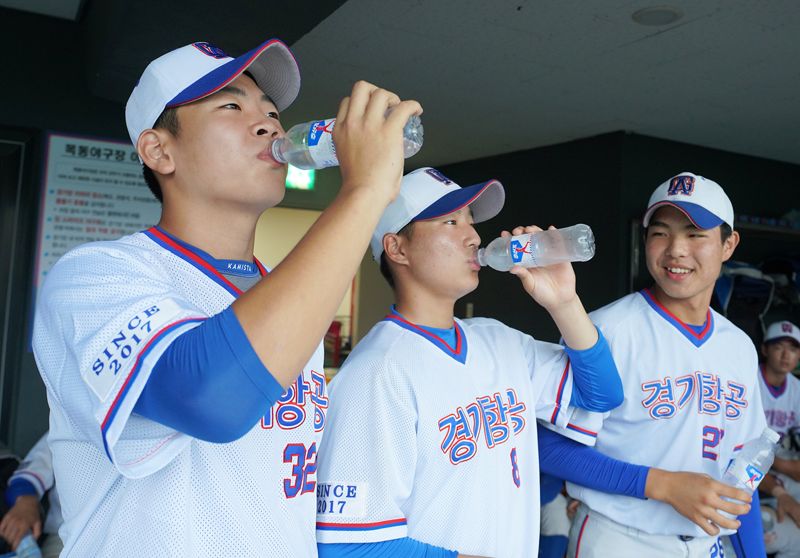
223,238
425,310
692,310
773,377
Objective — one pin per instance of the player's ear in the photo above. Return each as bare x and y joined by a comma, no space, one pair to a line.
730,245
394,247
153,149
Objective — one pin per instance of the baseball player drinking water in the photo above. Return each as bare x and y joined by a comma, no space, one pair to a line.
431,440
691,390
185,381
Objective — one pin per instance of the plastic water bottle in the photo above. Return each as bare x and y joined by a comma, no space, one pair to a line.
27,548
310,145
749,466
539,249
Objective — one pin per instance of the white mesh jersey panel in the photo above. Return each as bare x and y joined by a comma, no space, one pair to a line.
131,487
420,444
782,405
690,399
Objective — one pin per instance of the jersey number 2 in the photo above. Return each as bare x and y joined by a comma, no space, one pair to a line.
304,466
712,436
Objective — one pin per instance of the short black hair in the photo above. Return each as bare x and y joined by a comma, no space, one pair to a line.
167,120
386,271
725,231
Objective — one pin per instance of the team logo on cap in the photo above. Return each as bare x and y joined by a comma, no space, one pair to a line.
786,327
438,176
681,185
210,50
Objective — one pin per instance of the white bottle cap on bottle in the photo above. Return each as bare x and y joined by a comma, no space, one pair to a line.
771,435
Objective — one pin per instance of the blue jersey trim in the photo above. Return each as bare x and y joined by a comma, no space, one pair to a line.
560,392
774,391
458,353
19,487
323,526
404,546
696,338
196,258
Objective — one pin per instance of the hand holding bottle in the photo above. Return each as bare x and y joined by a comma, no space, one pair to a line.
548,286
369,143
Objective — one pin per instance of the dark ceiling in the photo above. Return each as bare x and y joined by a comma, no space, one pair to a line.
497,76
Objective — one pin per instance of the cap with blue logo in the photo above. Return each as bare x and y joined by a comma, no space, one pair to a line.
426,194
197,70
702,200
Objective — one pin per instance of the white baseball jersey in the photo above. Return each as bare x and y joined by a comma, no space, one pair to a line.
691,399
37,469
439,443
130,486
781,404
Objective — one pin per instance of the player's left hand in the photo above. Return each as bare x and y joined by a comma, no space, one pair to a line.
23,517
788,506
698,498
549,286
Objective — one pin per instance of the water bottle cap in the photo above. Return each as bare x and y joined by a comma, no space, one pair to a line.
771,435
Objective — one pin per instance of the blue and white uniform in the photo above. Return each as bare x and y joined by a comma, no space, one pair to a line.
691,400
107,312
438,442
782,408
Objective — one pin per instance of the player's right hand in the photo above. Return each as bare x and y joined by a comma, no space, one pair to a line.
22,518
369,144
698,498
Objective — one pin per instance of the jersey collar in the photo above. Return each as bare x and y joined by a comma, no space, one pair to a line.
197,258
459,352
774,391
697,338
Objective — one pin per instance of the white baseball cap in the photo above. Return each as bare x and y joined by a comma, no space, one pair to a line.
426,194
702,200
197,70
782,330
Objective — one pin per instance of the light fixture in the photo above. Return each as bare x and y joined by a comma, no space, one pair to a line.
657,16
298,179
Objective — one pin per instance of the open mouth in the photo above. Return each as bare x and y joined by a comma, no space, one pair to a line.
678,270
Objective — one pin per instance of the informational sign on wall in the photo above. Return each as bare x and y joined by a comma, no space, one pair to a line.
92,190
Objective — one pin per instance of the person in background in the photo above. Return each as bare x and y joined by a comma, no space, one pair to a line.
27,486
780,394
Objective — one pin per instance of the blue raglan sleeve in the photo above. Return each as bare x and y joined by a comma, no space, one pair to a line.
596,385
210,383
575,462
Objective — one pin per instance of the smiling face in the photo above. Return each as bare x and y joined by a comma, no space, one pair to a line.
222,153
685,262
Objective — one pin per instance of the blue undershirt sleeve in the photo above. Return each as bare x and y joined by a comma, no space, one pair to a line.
406,547
19,487
210,383
748,541
596,385
564,458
